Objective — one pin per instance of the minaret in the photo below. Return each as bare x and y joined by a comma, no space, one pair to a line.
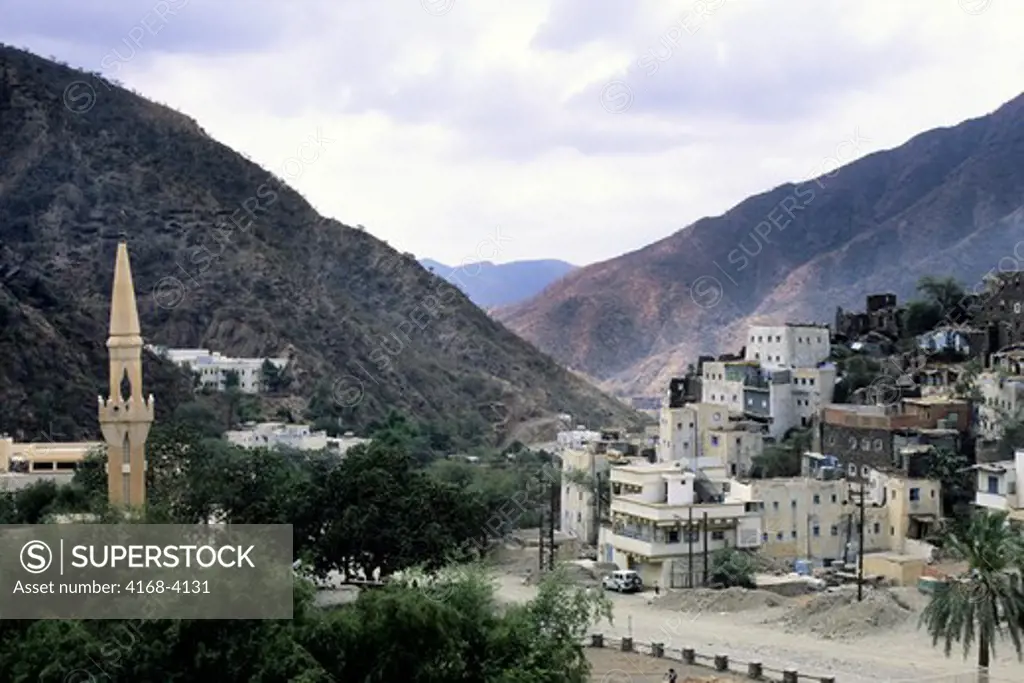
125,416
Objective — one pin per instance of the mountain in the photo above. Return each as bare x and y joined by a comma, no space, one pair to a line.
501,284
225,255
948,202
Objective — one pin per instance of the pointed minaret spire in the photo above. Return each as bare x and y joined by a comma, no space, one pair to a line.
124,314
125,419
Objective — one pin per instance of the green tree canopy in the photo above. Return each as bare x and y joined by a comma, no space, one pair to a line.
987,602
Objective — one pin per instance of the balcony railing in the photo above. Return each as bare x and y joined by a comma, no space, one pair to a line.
662,512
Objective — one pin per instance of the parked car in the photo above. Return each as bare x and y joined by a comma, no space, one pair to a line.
623,581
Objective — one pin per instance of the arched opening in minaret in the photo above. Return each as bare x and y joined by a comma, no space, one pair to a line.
126,386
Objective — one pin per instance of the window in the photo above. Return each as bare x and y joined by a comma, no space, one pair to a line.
792,504
993,484
717,535
878,528
811,381
915,494
764,538
775,505
714,440
816,530
892,531
778,536
817,499
673,536
933,493
834,530
580,496
833,497
793,533
579,517
853,470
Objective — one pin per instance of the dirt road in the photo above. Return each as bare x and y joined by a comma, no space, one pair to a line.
901,654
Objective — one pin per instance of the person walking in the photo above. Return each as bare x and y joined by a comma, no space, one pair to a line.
671,676
657,589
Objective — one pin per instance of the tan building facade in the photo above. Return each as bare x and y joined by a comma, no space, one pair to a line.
43,458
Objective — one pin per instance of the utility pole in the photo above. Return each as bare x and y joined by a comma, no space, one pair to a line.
809,537
551,527
860,552
540,540
689,556
706,551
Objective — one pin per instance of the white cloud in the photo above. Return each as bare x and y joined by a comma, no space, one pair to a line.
490,114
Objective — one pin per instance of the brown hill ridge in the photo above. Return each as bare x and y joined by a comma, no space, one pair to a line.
949,201
366,325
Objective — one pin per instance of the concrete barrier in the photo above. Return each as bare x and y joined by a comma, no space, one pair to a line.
718,662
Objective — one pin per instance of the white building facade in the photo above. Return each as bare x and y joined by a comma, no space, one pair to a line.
664,523
213,368
781,347
997,485
298,436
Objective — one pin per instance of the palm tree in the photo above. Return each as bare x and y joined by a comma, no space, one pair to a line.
987,601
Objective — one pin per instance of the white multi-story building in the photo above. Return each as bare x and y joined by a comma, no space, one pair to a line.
1002,392
789,346
580,511
709,436
297,436
213,368
783,398
997,485
585,463
666,518
577,439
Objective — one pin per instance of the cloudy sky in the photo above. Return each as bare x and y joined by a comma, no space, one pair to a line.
582,129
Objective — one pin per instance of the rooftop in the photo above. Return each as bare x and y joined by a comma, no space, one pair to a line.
935,400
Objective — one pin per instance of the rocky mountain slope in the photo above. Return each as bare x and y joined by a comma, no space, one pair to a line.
501,284
949,201
226,256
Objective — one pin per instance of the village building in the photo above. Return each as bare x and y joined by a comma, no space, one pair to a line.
890,437
882,315
997,484
297,436
213,369
666,521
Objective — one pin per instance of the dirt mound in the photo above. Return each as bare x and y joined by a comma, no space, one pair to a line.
838,614
725,600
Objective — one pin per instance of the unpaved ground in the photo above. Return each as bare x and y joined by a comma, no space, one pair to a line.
899,653
615,666
838,615
728,600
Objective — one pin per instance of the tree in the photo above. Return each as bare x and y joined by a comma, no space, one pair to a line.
987,601
944,292
783,459
273,379
233,392
942,299
731,567
953,471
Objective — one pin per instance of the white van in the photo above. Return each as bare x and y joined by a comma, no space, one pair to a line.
623,581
